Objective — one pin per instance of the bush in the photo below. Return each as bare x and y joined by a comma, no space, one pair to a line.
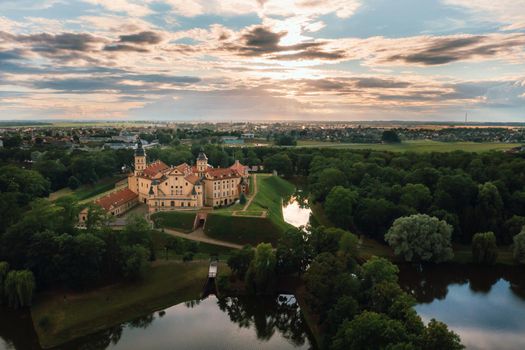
73,183
19,288
484,248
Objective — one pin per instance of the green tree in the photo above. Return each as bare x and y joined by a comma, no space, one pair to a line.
326,179
242,199
370,330
390,136
134,261
519,247
261,273
417,196
339,206
378,270
421,238
239,261
19,287
437,336
489,208
484,248
294,252
73,183
279,162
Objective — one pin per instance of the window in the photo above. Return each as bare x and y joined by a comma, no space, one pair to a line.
172,203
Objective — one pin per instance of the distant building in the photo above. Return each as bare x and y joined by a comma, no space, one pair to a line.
248,136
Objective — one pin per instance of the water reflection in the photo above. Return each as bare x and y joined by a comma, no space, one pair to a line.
227,323
485,305
16,330
296,210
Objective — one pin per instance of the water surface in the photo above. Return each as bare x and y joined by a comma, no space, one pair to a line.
484,305
296,210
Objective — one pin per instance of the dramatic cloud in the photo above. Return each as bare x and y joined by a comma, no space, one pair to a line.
256,59
142,38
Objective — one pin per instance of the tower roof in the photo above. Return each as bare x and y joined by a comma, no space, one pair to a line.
139,151
202,155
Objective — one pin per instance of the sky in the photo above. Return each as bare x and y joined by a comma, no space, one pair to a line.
242,60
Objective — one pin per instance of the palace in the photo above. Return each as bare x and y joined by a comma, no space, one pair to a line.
182,187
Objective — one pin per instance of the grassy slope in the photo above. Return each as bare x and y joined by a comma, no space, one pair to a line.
177,220
250,230
415,146
166,284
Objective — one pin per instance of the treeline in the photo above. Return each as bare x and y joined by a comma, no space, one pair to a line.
358,306
472,192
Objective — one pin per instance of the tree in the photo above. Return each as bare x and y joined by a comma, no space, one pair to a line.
417,196
239,261
370,330
390,136
484,248
261,273
519,247
279,162
378,270
339,206
321,280
242,198
326,179
325,239
421,238
134,261
293,253
73,183
19,287
437,336
489,208
345,309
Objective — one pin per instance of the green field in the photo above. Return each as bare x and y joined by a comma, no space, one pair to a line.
244,229
79,314
414,146
177,220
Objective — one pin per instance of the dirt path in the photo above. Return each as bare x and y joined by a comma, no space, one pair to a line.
199,236
254,193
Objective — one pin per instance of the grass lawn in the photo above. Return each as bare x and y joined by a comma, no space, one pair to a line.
177,220
205,250
241,229
80,314
414,146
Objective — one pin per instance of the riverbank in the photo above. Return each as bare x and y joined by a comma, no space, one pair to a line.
60,317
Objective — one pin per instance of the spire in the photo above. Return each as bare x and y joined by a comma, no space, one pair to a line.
202,155
139,151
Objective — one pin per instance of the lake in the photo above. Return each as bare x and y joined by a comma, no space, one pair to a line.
226,323
484,305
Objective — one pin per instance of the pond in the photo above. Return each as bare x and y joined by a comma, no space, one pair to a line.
484,305
226,323
296,210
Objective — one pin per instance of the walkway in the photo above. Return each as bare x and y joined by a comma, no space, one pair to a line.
245,211
254,193
199,236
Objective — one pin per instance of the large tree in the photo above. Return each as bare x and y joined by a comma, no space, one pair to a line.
421,238
339,206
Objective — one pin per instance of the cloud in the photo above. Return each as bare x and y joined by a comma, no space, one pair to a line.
130,7
511,13
451,49
146,37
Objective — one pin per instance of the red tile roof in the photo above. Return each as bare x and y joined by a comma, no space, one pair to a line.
223,173
116,199
154,168
192,178
237,166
